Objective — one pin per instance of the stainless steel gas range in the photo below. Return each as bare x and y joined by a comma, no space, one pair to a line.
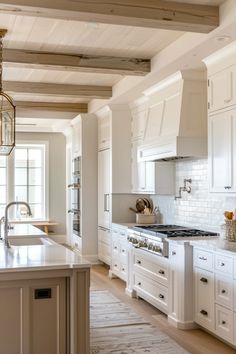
154,238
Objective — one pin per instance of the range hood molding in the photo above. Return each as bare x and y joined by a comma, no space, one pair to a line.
176,125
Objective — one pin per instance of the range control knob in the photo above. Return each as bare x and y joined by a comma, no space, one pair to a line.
157,249
150,246
142,244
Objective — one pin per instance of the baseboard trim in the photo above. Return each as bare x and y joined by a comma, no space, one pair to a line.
182,325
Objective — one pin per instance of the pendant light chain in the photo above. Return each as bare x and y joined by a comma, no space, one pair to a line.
1,62
2,34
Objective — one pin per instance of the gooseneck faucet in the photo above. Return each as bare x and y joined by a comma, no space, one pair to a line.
6,219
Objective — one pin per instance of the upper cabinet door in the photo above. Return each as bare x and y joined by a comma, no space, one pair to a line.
222,145
138,123
222,89
104,131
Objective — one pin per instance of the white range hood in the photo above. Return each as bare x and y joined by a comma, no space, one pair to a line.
176,125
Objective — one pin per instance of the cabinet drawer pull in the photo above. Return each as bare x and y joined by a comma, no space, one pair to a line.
223,291
161,272
204,313
115,265
223,322
222,264
227,100
139,262
139,283
122,233
227,187
204,280
202,258
161,296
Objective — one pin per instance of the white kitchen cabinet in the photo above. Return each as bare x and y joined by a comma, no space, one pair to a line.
151,177
138,122
150,274
222,152
215,292
104,188
119,261
32,310
104,130
222,89
76,138
204,298
104,245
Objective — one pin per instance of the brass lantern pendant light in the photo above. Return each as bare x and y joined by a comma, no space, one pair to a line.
7,113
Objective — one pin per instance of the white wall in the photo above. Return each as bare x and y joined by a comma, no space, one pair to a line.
57,175
199,208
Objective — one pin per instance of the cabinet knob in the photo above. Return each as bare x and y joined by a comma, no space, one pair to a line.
115,247
222,264
223,291
223,322
173,253
204,312
123,269
139,283
138,262
161,271
123,251
161,296
204,280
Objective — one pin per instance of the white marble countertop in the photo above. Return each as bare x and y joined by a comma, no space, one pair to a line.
215,244
28,258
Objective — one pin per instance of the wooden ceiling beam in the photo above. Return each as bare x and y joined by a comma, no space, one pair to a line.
88,91
53,106
143,13
77,62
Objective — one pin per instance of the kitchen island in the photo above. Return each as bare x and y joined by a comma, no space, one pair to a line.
44,300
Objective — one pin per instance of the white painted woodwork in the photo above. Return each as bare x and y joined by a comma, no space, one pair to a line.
221,89
104,245
104,130
119,263
180,283
92,91
215,292
147,282
176,124
104,188
204,296
27,319
222,148
224,290
83,132
224,323
138,123
162,14
77,62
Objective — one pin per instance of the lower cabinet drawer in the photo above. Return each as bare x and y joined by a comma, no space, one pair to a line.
225,323
224,291
203,259
153,291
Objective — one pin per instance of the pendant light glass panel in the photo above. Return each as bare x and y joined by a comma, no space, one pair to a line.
7,124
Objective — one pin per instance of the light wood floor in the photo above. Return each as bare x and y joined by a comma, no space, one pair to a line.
195,341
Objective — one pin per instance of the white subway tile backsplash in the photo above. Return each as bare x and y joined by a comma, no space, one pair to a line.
199,208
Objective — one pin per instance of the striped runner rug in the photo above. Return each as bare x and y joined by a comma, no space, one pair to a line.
117,329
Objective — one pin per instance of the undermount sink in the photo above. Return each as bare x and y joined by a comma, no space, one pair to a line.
28,241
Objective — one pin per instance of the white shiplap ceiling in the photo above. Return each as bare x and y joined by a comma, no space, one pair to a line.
48,34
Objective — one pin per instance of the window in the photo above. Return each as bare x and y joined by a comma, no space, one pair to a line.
3,184
29,186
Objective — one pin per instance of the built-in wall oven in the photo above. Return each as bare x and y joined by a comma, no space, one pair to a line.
75,188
